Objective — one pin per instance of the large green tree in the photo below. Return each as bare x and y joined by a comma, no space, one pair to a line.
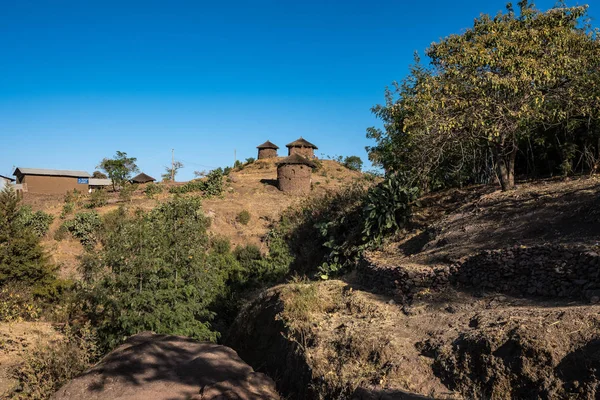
495,86
119,169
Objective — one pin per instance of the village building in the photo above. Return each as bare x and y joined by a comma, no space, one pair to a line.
51,181
267,150
142,178
5,181
294,174
99,183
302,147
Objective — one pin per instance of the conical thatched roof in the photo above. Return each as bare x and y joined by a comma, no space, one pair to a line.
142,178
297,159
301,143
267,145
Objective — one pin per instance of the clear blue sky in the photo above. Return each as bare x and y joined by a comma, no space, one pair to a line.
82,79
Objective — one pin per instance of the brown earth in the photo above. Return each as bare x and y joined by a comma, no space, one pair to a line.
254,189
159,367
15,339
343,340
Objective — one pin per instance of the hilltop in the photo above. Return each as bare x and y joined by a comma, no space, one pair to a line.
252,188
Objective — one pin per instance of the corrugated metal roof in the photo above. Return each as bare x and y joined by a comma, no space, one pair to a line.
51,172
100,182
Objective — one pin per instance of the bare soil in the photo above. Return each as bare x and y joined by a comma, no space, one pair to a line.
345,341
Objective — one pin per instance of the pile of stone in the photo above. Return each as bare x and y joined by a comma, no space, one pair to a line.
553,270
405,280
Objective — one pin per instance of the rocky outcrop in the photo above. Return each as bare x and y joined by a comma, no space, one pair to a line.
149,366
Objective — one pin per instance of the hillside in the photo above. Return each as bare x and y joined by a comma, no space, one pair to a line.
253,188
487,296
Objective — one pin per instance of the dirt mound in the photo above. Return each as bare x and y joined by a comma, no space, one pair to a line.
149,366
334,340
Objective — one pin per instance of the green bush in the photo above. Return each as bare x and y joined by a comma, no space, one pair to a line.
47,367
98,198
243,217
18,304
152,189
127,191
250,160
67,209
353,162
157,271
22,258
39,222
212,185
84,227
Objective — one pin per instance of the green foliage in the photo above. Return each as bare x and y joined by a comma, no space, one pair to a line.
39,222
152,189
243,217
171,172
67,209
22,258
250,160
212,185
157,271
17,304
388,207
119,169
127,191
46,367
514,85
84,227
98,198
99,175
353,162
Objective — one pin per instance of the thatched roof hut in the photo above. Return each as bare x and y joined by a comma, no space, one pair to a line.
294,174
302,147
142,178
267,150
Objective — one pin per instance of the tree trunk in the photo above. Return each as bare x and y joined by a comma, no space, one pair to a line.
506,167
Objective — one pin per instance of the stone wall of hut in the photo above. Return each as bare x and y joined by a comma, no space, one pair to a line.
266,153
307,152
294,178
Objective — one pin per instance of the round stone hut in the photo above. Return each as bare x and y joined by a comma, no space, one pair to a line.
267,150
294,174
302,147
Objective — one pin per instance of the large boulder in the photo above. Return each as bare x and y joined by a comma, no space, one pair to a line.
153,367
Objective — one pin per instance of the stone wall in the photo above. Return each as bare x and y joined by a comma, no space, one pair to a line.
548,271
294,178
307,152
555,271
266,153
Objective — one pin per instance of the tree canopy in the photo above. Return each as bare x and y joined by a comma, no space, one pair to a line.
120,168
489,92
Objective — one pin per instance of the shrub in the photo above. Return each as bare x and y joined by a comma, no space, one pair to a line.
67,209
152,189
22,258
243,217
212,185
84,226
353,162
98,198
250,160
127,191
157,271
17,304
39,222
45,368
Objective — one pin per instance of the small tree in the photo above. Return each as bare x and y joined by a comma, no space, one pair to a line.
22,258
99,175
171,172
120,168
353,162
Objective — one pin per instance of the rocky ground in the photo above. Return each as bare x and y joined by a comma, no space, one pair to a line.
490,295
160,367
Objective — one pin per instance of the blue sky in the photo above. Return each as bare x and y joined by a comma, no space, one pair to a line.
82,79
